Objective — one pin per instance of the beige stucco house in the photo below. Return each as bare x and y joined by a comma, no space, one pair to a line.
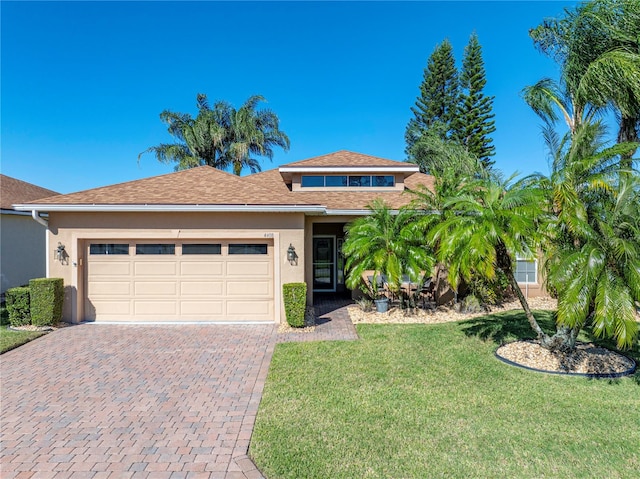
22,240
205,245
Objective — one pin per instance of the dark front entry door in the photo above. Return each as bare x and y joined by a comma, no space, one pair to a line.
324,263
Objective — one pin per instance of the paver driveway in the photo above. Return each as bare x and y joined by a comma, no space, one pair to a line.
98,401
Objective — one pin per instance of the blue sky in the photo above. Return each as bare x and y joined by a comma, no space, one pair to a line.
83,83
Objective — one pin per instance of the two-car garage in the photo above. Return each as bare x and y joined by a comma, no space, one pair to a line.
179,280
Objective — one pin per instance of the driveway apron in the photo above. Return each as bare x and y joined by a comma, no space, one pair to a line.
119,401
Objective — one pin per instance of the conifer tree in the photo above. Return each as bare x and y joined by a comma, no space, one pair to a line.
437,103
474,120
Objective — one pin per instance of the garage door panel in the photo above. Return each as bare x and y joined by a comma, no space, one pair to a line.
249,268
199,288
154,288
110,308
108,288
249,308
109,268
155,308
180,287
204,268
204,309
155,268
253,288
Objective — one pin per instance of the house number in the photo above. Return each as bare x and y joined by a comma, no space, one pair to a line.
268,235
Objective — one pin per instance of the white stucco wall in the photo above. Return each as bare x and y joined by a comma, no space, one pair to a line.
22,250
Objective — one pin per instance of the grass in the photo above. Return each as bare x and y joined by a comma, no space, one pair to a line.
12,339
416,401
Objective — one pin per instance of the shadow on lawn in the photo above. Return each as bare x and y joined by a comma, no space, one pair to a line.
510,326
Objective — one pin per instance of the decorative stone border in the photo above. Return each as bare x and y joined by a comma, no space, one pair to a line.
628,372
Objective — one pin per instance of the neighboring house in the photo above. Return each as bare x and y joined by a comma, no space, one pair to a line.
205,245
22,240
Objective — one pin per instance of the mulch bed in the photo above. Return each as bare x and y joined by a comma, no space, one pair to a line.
587,359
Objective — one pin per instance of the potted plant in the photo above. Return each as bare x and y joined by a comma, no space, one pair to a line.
388,244
378,288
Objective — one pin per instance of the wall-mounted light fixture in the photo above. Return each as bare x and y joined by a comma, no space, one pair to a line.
61,253
292,256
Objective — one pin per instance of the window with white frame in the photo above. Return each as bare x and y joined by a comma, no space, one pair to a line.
526,270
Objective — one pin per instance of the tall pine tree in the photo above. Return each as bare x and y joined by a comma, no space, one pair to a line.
474,120
453,109
437,104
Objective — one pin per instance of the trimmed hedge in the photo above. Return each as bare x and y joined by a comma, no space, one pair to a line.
17,302
295,303
47,295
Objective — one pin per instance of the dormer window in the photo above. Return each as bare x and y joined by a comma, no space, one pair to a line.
357,181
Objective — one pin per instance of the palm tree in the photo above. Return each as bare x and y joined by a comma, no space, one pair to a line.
388,243
591,245
490,223
546,96
598,48
599,280
222,136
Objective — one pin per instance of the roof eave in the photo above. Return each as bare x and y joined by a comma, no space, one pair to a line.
349,169
146,208
349,212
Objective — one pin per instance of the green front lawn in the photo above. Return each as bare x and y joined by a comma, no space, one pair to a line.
12,339
418,401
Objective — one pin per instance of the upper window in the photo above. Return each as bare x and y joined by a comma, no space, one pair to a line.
360,180
109,248
204,248
158,248
312,181
335,180
356,181
383,180
247,248
526,271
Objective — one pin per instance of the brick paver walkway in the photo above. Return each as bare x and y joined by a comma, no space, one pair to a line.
332,323
121,401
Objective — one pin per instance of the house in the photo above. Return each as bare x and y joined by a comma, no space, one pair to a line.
205,245
22,240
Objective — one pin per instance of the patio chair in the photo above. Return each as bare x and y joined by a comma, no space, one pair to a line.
427,291
380,288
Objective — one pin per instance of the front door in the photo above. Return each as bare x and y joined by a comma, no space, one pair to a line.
324,263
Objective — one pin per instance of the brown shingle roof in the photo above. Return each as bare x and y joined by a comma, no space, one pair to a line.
347,158
14,191
208,186
352,199
197,186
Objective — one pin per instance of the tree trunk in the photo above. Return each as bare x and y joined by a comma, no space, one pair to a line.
627,133
542,336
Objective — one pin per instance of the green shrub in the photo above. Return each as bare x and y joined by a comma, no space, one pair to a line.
4,315
491,292
47,295
295,303
471,304
17,301
365,304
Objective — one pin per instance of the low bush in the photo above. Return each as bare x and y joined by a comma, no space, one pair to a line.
471,304
365,304
295,303
17,302
47,296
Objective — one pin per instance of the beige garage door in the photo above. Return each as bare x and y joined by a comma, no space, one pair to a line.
179,281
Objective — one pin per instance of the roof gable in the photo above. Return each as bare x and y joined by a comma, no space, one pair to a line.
13,191
345,158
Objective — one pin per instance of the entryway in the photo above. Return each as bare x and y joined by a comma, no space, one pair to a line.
328,261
